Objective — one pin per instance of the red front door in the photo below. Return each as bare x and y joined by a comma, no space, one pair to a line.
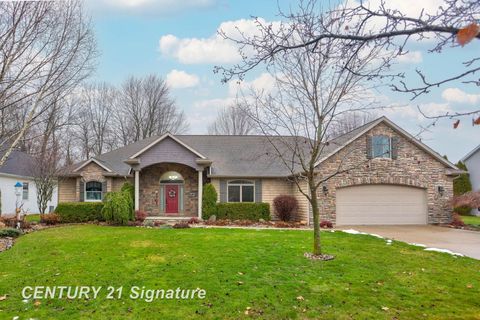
171,198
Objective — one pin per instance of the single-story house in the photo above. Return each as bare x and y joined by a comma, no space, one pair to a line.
396,179
19,168
472,162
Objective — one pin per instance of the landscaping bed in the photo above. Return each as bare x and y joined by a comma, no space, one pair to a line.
246,274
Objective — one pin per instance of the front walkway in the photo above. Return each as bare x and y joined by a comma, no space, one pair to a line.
462,241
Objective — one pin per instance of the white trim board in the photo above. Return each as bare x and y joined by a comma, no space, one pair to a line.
90,161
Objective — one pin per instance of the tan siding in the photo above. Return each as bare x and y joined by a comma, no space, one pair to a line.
272,188
67,190
303,204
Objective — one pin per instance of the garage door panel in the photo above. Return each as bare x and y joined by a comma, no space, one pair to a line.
381,204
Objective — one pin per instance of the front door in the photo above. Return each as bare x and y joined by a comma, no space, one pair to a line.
171,198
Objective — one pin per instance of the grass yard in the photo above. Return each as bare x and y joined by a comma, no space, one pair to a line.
33,218
246,273
472,221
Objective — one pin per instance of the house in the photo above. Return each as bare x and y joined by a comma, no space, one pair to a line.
472,161
395,178
19,169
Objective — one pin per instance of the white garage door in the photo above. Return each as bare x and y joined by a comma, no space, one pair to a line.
381,204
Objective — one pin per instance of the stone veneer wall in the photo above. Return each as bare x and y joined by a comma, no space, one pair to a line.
150,188
413,167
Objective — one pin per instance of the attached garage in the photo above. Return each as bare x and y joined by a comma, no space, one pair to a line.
381,204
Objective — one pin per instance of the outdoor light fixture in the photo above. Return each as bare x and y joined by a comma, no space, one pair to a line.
325,190
18,189
441,190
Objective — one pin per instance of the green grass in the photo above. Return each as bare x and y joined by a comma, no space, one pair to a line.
33,218
471,220
262,270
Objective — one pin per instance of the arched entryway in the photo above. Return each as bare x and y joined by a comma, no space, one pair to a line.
171,193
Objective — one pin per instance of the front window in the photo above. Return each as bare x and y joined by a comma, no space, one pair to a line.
93,191
25,191
381,147
241,191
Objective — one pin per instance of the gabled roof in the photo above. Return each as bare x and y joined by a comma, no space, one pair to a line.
94,161
341,142
161,138
19,164
246,156
471,153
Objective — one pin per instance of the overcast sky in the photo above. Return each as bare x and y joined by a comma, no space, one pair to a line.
177,40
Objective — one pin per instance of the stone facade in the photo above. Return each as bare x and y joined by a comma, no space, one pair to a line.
150,188
413,167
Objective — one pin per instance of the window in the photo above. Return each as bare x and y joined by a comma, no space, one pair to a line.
241,191
25,191
381,147
93,191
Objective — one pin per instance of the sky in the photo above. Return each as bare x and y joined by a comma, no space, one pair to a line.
177,40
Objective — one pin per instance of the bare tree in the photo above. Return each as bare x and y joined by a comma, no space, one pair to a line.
146,109
46,49
452,24
349,121
315,88
232,120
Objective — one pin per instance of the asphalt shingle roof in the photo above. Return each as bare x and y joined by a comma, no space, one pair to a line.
18,163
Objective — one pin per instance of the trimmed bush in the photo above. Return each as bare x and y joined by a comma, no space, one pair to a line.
117,208
462,185
129,191
209,201
325,224
49,219
285,207
73,212
10,232
243,211
140,215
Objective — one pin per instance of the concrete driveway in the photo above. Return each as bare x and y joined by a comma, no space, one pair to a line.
461,241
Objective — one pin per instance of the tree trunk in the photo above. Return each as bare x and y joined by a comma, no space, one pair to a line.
317,248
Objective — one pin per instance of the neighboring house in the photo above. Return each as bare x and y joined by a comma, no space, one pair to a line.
397,179
18,168
472,161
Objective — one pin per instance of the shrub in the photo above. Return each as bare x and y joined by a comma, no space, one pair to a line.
73,212
326,224
49,219
9,221
462,185
140,215
10,232
209,201
129,190
243,211
285,207
117,208
457,221
181,225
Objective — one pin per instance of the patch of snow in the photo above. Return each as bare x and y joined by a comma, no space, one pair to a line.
417,244
389,242
444,251
25,301
353,231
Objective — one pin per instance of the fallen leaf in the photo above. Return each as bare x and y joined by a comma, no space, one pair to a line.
241,273
476,121
385,308
300,298
37,303
239,283
469,286
465,35
4,297
455,124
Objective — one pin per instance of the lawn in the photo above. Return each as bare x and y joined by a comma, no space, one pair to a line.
472,220
246,273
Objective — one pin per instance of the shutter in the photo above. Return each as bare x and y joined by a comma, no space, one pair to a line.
82,191
395,144
258,190
104,189
223,190
369,147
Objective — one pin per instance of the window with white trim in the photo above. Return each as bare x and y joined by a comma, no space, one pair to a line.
25,191
93,191
381,147
241,191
